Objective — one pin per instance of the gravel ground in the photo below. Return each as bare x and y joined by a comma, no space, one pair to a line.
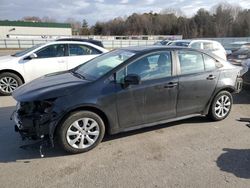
190,153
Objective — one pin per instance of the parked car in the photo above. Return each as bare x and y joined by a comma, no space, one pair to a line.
234,46
95,42
122,90
42,59
207,45
164,42
240,55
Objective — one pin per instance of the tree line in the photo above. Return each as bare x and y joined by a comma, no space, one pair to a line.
223,20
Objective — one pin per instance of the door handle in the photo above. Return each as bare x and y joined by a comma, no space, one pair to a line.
211,77
171,85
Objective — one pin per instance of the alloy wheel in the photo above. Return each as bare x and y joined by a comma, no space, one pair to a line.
222,106
83,133
8,84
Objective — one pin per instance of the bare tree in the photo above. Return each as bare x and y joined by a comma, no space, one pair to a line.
48,19
32,19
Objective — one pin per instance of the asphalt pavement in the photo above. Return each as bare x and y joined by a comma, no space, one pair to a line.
190,153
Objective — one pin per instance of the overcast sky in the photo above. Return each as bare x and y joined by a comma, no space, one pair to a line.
100,10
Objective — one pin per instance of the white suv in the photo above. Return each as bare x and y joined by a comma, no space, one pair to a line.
207,45
42,59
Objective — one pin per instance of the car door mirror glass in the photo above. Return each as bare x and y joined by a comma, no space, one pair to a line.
31,56
132,79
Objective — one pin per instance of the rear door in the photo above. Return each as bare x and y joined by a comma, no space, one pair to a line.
80,53
198,77
51,58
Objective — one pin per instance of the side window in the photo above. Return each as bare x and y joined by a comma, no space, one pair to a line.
154,66
196,45
79,49
55,50
208,46
217,46
210,63
190,62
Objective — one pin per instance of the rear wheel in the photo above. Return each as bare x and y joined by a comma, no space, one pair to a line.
221,106
9,82
81,132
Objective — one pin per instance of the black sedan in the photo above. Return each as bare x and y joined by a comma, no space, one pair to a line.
122,90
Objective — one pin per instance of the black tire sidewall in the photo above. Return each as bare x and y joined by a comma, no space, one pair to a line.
12,75
62,130
212,113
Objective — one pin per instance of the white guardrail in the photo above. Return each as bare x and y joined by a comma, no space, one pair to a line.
110,44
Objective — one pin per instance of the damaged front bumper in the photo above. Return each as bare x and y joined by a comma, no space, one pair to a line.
34,121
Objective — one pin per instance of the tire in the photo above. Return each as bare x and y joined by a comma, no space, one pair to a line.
221,106
75,134
8,83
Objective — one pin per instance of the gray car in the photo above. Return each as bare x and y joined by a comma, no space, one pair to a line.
123,90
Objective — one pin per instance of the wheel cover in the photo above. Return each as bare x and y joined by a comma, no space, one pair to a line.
8,84
222,106
83,133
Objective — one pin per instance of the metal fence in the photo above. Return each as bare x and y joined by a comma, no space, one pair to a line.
110,44
228,40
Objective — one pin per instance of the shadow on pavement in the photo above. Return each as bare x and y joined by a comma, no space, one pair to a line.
243,97
200,121
235,161
10,141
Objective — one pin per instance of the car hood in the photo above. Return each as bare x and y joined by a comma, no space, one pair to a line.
7,58
49,86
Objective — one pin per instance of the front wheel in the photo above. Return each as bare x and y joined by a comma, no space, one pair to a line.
9,82
221,106
81,132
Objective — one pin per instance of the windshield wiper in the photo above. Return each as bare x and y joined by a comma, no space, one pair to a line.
78,75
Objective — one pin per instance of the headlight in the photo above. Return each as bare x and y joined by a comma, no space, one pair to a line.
242,56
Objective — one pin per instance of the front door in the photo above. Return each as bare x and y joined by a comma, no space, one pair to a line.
49,59
154,99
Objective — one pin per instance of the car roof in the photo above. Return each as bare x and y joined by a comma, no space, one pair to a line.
73,42
195,40
154,48
96,42
146,49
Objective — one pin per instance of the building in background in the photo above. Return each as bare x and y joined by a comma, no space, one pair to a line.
22,29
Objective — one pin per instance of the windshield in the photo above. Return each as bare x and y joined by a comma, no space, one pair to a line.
180,43
21,53
99,66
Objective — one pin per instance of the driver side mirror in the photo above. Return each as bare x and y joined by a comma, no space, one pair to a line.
31,56
132,79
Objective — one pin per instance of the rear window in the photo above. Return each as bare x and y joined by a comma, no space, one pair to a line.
210,63
180,43
191,62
